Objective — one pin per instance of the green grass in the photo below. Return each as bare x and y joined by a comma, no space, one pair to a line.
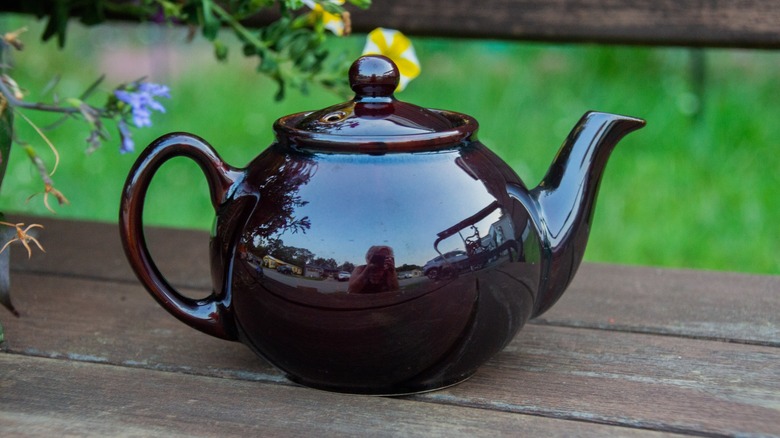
695,189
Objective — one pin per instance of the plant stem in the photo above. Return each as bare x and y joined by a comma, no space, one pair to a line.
14,102
40,166
237,27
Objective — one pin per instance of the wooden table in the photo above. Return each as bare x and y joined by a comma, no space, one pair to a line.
627,351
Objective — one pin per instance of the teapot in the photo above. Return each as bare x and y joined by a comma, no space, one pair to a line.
377,247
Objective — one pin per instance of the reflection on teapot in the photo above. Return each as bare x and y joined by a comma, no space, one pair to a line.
377,275
377,247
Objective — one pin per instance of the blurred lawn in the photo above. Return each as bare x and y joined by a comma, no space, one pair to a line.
698,187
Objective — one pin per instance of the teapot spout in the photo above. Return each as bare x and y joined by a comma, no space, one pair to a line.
566,197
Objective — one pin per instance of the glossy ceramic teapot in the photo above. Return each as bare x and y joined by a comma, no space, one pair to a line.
378,247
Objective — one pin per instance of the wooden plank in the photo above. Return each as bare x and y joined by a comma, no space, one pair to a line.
712,23
711,305
634,380
43,397
120,324
655,382
724,23
93,250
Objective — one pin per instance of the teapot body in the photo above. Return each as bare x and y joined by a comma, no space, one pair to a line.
378,247
377,274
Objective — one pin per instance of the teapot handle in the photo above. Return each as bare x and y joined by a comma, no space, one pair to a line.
211,315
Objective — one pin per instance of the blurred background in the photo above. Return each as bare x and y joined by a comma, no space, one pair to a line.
697,188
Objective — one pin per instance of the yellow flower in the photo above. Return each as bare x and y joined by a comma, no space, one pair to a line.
396,46
337,23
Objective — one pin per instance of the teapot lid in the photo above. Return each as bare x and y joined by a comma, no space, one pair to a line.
375,121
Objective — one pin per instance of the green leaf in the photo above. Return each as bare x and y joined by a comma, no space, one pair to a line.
280,93
363,4
211,23
57,24
92,13
91,89
249,50
268,65
6,136
170,9
333,8
293,4
220,50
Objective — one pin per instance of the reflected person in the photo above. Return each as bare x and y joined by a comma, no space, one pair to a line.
378,275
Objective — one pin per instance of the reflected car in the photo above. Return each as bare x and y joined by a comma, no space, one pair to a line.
284,269
446,265
343,276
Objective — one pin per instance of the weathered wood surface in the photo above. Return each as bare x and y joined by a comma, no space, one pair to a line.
46,397
726,23
711,23
700,304
94,354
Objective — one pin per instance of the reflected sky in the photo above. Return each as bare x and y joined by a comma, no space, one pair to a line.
392,200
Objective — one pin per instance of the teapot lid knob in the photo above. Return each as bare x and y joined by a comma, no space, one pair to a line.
373,76
375,122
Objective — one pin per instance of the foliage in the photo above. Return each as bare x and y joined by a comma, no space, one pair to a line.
6,136
131,102
291,50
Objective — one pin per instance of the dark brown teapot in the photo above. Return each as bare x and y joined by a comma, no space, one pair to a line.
378,247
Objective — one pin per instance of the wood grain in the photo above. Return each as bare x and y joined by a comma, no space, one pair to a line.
43,397
642,381
702,304
120,324
703,23
709,305
626,351
655,382
710,23
93,250
724,23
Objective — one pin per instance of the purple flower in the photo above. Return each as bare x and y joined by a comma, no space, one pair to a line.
127,145
141,101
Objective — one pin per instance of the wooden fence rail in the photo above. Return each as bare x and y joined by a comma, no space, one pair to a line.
712,23
715,23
